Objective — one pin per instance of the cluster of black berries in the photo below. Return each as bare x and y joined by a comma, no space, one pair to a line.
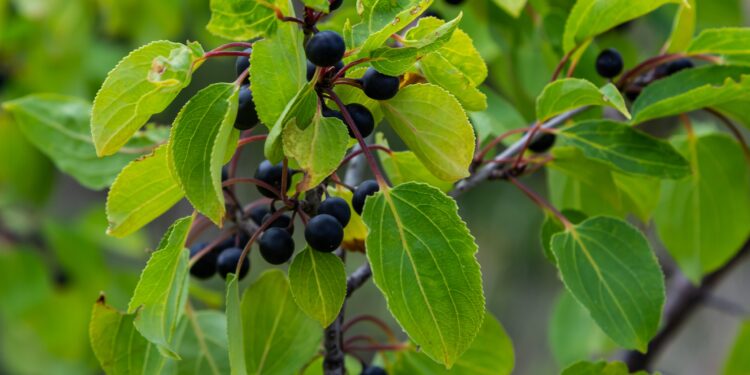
222,258
247,117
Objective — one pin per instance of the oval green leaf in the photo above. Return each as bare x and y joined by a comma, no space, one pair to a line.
570,93
608,266
202,338
381,19
278,337
435,127
318,284
162,290
723,41
703,219
235,332
241,19
626,149
423,260
142,84
199,143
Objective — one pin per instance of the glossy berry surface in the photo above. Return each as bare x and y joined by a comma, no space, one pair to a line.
257,214
609,63
338,208
224,173
335,4
374,370
276,246
205,267
364,190
379,86
227,261
239,240
324,233
327,112
454,2
362,119
242,63
325,48
673,67
247,117
270,174
283,222
543,142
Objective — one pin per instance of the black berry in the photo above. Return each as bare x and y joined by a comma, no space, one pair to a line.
239,240
324,233
247,117
224,173
205,267
338,208
374,370
542,143
379,86
362,119
609,63
270,174
335,4
243,63
311,69
283,222
432,13
454,2
673,67
364,190
276,245
227,261
325,48
327,112
257,214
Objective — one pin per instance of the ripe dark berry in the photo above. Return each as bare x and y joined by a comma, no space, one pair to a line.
227,261
224,173
270,174
205,267
239,240
364,190
325,48
609,63
335,4
324,233
276,245
374,370
673,67
327,112
454,2
379,86
242,63
257,214
311,69
362,119
247,117
283,222
336,207
542,143
432,13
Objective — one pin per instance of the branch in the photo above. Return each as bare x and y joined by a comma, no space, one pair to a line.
684,299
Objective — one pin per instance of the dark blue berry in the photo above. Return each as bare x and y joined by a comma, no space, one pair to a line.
257,214
542,143
609,63
205,267
335,4
374,370
242,63
247,117
227,261
270,174
364,190
338,208
276,246
379,86
324,233
362,119
325,48
283,222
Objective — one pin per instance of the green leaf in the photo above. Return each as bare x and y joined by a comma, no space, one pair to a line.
491,353
722,41
117,345
319,5
235,331
300,113
242,19
423,260
608,266
692,89
573,335
404,166
512,7
352,365
198,146
282,53
380,19
59,127
457,66
570,93
640,194
683,27
318,284
142,192
552,225
278,337
738,362
161,292
599,368
434,126
589,18
429,35
318,149
203,343
499,117
626,149
702,219
142,84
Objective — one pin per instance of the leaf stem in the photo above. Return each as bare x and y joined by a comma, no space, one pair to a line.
562,62
732,128
255,181
342,72
223,237
353,154
255,236
541,202
350,122
247,140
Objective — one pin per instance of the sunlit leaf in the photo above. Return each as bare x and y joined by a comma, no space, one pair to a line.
241,19
318,284
202,343
380,19
571,93
722,41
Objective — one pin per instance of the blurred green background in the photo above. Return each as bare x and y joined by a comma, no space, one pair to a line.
55,258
